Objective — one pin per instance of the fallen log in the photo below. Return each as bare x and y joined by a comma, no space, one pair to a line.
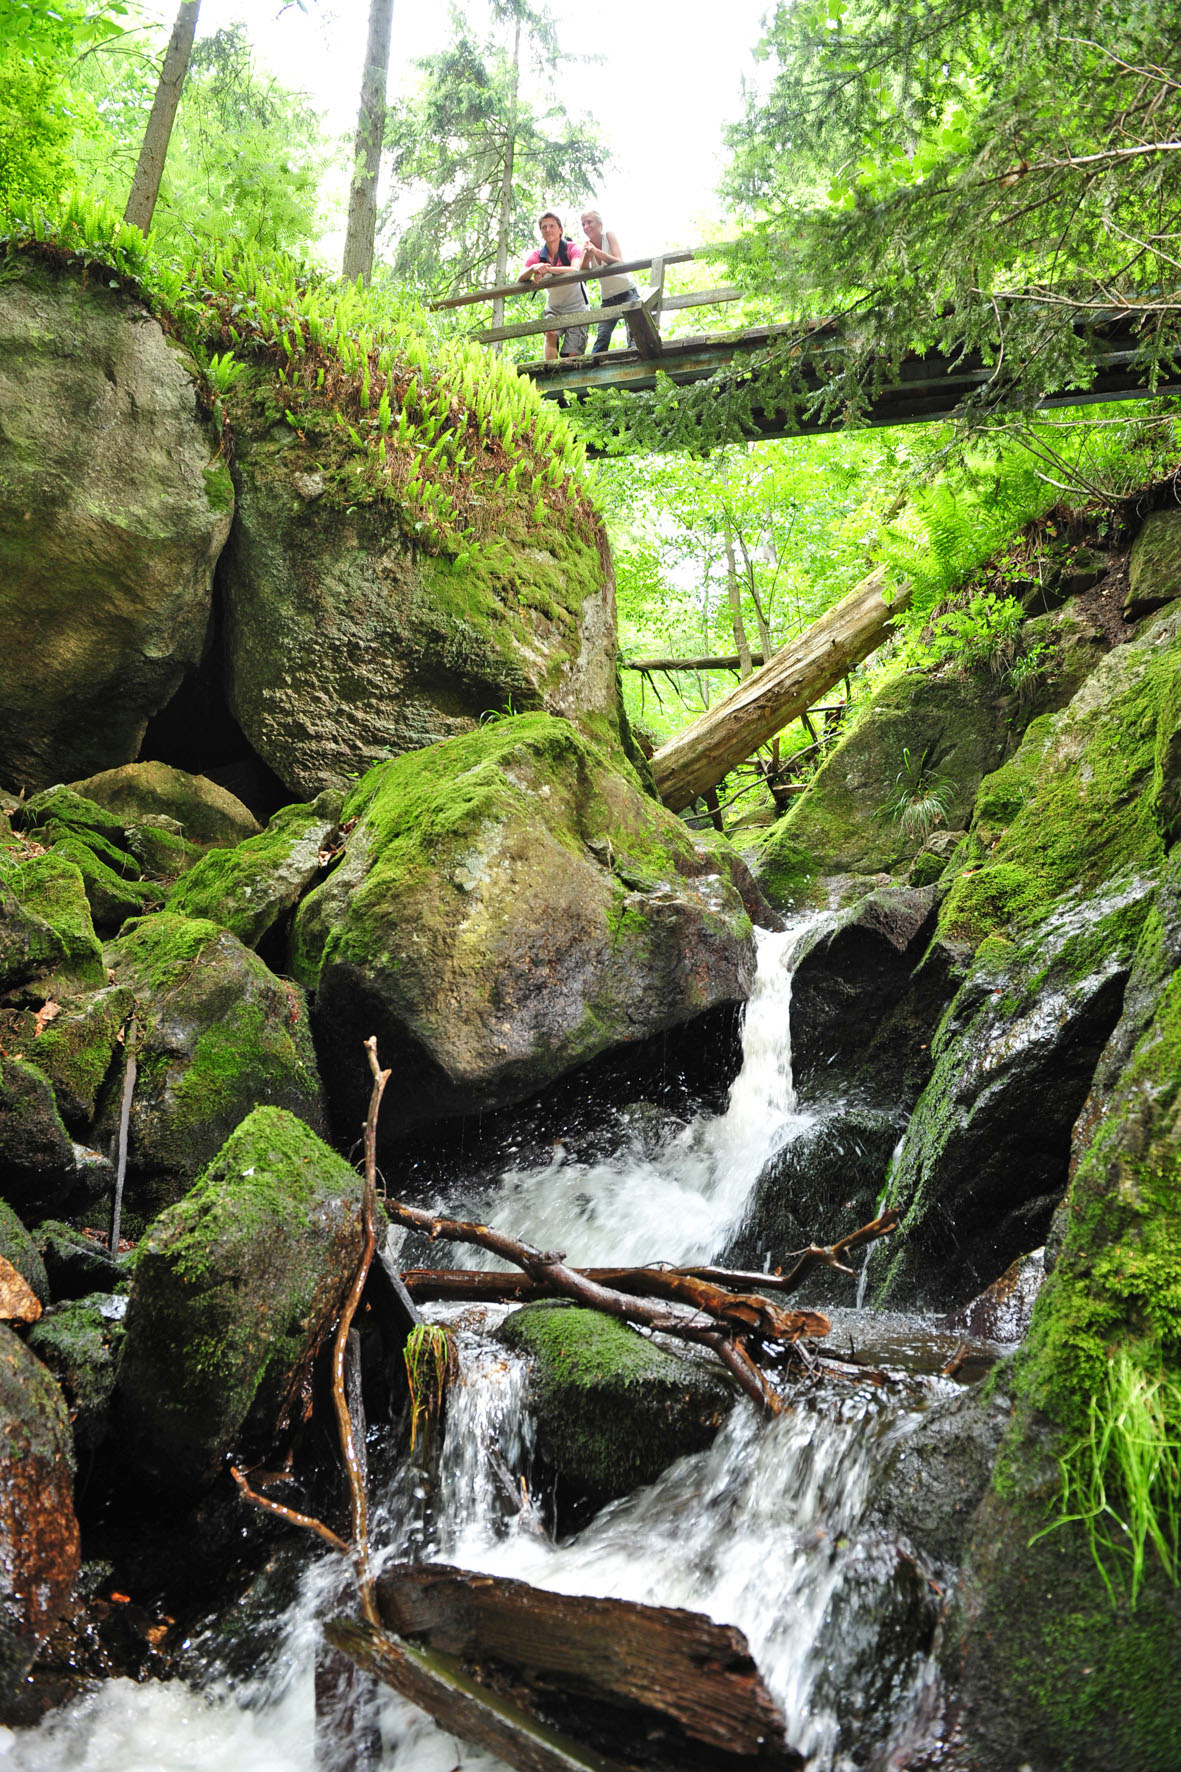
651,1687
785,687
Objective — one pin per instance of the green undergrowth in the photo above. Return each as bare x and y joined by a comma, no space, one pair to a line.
446,432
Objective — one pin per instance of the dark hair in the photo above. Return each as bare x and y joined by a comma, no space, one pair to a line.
549,215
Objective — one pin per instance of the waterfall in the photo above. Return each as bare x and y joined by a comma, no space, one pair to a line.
765,1530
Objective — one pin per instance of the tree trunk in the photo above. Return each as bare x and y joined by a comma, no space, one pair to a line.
362,223
506,185
786,686
145,186
734,592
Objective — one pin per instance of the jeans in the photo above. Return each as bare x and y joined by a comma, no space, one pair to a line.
607,327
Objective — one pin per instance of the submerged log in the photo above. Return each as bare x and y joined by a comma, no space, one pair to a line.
650,1687
786,686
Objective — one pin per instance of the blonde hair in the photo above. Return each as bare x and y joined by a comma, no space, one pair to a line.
592,215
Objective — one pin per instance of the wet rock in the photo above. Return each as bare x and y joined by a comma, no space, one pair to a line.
249,888
1154,569
39,1555
612,1409
850,978
344,643
986,1155
106,598
235,1288
204,812
47,942
507,908
17,1246
78,1341
77,1264
1003,1310
221,1036
823,1184
940,1473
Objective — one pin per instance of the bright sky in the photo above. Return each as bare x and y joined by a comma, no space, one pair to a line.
669,79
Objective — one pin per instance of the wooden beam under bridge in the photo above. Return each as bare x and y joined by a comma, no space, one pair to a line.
928,387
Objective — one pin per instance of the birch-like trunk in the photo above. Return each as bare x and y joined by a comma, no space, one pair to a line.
506,184
362,222
145,186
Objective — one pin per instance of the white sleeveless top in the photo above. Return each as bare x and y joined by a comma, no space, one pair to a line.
614,285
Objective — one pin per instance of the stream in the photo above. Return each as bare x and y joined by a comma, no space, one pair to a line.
771,1528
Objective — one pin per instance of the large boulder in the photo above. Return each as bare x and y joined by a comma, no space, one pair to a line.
507,907
235,1288
611,1409
47,940
344,642
114,506
249,888
1061,1656
221,1035
39,1544
140,794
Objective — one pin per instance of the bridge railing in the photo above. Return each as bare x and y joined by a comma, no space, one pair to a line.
642,315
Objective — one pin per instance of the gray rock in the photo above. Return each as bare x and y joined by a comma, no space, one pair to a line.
111,520
344,643
221,1036
1154,568
235,1288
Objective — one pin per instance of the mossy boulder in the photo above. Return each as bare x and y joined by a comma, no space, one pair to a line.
221,1035
76,1264
201,810
1154,567
248,889
235,1288
41,1168
17,1246
39,1542
47,941
344,642
507,907
1092,795
78,1341
612,1410
986,1155
112,898
956,727
108,533
1055,1670
75,1049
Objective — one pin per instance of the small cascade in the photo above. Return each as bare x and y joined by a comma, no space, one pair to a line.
680,1202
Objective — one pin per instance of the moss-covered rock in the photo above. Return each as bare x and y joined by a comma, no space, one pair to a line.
105,599
987,1152
76,1264
40,1166
956,727
221,1035
65,809
507,907
75,1049
161,850
1154,568
78,1342
612,1410
235,1288
344,643
249,888
204,812
39,1544
18,1247
112,898
1090,796
47,941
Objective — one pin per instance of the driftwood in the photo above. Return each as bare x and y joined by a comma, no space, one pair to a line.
651,1687
786,686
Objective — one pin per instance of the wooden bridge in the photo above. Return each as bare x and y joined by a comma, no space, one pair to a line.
928,387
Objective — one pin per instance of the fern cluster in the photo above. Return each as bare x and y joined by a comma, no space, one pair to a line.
450,434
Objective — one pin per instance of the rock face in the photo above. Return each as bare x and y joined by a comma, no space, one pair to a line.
221,1036
344,644
1154,569
111,520
234,1290
39,1552
611,1409
507,907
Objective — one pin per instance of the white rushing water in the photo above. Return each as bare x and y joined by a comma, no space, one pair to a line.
760,1531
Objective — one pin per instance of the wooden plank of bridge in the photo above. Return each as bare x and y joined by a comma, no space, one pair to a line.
792,680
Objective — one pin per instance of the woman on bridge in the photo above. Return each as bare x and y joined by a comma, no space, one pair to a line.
615,289
557,254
